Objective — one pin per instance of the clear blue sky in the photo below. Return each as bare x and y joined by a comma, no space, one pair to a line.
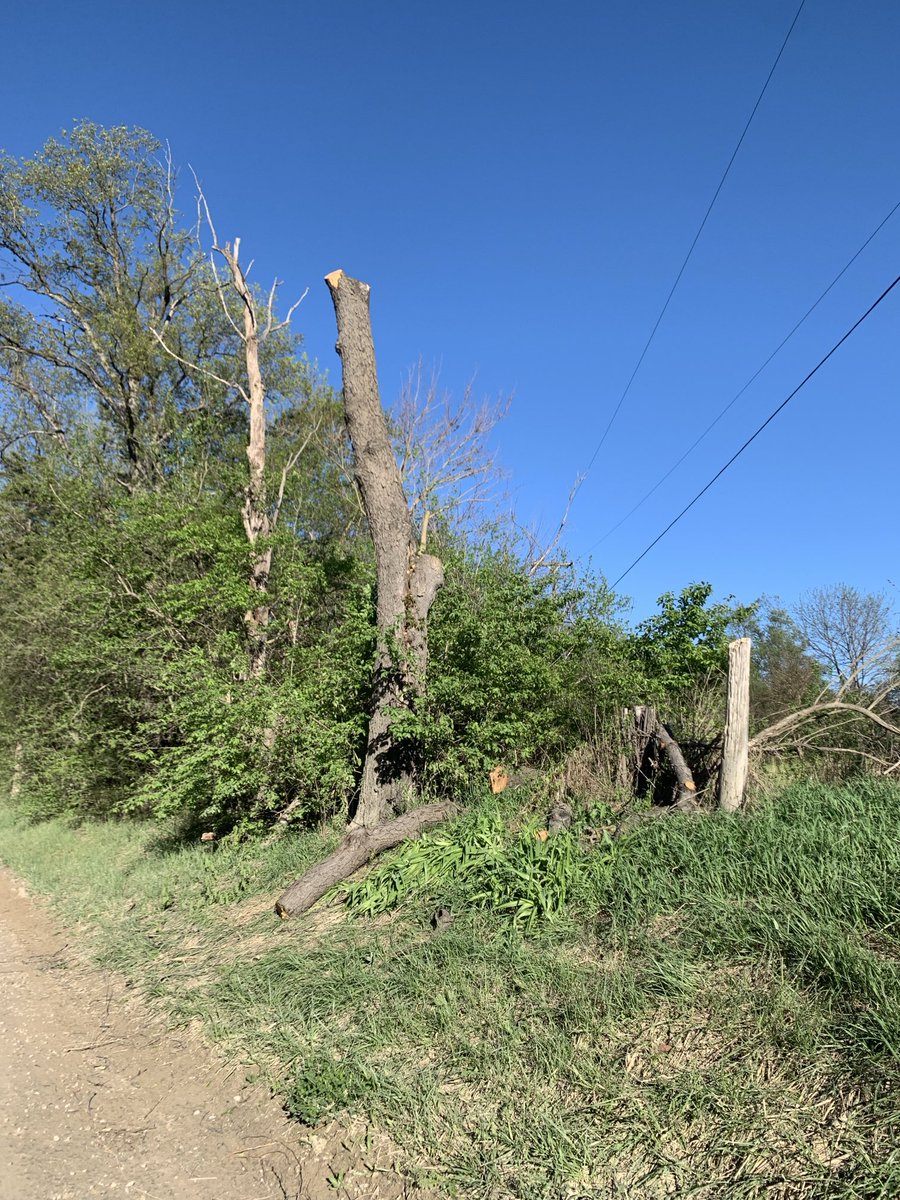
520,182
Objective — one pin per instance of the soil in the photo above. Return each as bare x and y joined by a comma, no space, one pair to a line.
98,1097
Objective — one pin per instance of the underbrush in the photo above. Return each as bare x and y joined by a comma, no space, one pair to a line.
706,1007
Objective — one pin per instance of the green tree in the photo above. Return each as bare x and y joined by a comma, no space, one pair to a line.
687,640
784,674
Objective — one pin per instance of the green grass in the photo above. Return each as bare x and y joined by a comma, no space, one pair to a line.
709,1007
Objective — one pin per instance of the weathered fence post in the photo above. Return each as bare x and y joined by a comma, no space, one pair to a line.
735,750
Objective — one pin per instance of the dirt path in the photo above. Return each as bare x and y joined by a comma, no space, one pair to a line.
98,1098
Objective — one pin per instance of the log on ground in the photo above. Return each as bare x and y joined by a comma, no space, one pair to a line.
354,852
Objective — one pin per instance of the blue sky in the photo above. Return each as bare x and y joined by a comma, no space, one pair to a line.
520,182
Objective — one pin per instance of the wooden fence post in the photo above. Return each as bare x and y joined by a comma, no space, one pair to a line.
735,750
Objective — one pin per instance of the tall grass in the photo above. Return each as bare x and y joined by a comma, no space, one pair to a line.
708,1007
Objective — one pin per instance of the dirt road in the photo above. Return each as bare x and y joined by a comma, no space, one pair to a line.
99,1098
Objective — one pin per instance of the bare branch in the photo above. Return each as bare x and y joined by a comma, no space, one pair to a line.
794,720
441,444
193,366
537,563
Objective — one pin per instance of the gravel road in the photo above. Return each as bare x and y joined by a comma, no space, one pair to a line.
99,1098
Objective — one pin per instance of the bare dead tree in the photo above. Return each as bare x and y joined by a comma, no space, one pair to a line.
408,580
844,628
447,466
844,721
538,556
258,515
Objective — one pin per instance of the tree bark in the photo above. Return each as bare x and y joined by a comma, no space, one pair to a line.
407,580
645,748
687,789
650,730
735,748
254,513
354,851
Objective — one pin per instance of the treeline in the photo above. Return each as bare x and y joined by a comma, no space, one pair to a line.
187,599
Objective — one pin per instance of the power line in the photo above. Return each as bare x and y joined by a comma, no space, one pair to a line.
771,417
687,258
756,374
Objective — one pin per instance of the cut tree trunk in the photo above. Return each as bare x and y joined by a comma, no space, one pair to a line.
651,733
687,789
735,747
646,761
407,580
354,852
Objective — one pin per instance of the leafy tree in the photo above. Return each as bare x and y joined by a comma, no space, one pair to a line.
784,674
93,260
687,639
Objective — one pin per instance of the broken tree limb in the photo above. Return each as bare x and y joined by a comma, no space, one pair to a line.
354,852
687,789
407,579
795,720
651,732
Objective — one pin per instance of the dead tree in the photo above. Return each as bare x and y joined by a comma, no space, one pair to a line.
255,514
838,721
408,581
258,515
447,467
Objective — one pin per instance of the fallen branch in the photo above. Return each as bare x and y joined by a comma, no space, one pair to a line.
687,789
807,714
649,729
355,850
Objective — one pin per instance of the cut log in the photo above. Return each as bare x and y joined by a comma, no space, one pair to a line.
650,735
687,789
355,850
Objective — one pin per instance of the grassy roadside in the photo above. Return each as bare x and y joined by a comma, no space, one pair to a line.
709,1008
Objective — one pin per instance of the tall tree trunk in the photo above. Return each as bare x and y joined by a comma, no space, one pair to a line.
407,580
254,513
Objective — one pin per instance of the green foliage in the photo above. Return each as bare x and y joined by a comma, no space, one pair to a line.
715,975
687,639
508,656
125,580
784,674
478,861
323,1086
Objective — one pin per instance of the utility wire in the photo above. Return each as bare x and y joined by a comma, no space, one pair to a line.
756,374
771,417
687,258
